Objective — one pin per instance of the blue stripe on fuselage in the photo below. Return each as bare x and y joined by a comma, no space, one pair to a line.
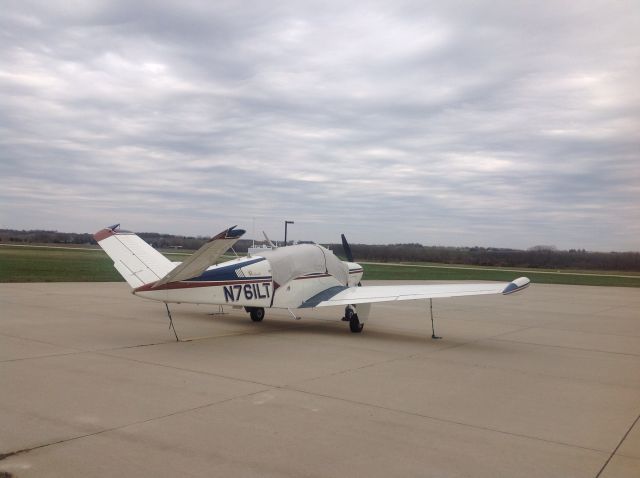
228,272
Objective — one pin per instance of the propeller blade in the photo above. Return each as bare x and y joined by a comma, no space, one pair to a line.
273,246
347,248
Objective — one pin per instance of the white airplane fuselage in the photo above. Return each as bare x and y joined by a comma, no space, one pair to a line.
247,282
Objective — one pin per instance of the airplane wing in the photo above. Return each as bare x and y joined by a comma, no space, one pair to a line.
385,293
204,257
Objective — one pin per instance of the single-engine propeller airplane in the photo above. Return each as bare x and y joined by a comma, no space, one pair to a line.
292,277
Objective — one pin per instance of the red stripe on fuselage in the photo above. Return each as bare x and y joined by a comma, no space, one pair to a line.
189,285
192,284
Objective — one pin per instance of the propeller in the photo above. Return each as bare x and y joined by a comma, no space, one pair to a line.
347,248
273,246
347,251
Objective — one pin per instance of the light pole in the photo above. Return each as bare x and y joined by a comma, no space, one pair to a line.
286,223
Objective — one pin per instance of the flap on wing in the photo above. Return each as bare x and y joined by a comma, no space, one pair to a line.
385,293
204,257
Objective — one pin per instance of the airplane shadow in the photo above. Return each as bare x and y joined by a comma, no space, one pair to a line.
311,327
339,329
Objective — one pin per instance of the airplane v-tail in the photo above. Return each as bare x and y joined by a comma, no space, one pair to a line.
292,277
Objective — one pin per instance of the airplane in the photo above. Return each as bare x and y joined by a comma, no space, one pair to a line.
292,277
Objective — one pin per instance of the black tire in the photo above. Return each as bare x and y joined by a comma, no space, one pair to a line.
354,324
257,314
348,314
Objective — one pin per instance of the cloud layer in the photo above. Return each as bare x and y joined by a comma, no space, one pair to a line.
452,123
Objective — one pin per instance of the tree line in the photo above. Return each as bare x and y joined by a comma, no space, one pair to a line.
496,257
547,257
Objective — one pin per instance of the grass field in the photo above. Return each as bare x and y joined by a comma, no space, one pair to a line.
446,272
59,264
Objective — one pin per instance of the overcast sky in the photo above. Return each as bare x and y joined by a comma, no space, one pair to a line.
494,123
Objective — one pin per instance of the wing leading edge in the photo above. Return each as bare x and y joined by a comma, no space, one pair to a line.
386,293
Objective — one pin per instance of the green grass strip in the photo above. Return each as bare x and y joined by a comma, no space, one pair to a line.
60,264
415,272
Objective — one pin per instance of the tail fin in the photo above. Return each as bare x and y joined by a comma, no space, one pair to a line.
136,261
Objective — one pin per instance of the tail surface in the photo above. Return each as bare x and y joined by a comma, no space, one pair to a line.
136,261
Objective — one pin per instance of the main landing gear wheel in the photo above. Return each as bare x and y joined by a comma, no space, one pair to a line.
354,323
257,314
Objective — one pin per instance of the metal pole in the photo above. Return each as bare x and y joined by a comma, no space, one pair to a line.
286,223
433,329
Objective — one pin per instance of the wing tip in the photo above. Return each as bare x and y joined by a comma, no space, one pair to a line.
102,234
516,285
231,233
114,230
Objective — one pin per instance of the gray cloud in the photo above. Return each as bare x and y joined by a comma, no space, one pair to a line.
457,123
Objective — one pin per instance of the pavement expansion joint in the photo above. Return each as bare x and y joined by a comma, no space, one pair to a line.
122,427
624,437
183,369
605,334
43,342
529,373
62,354
585,349
468,342
445,420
